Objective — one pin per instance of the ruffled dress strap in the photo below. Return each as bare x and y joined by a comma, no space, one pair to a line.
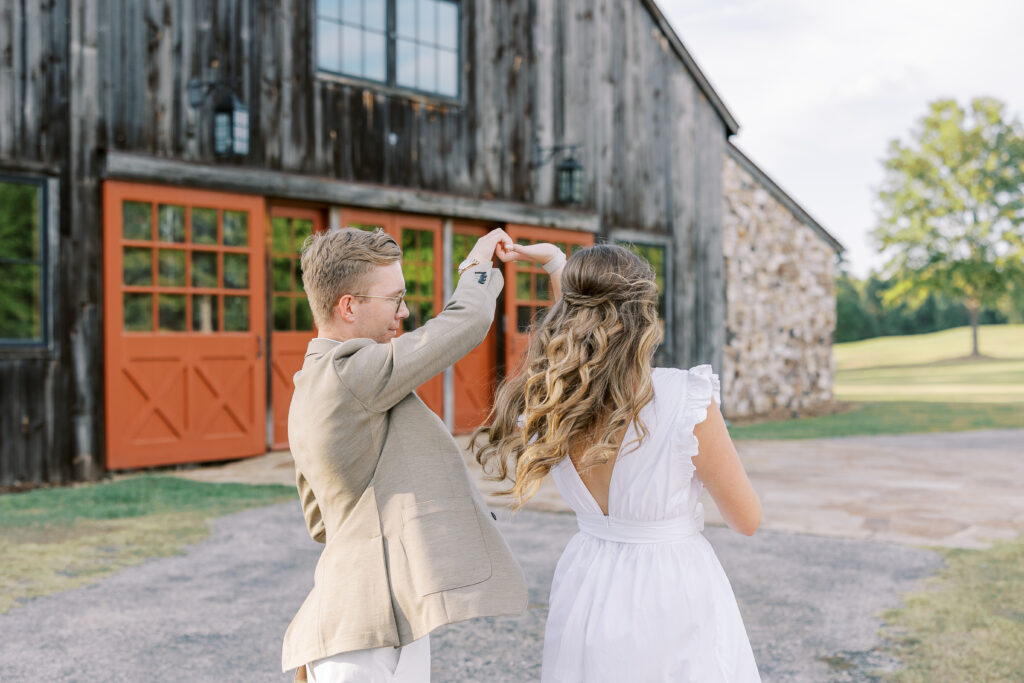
702,387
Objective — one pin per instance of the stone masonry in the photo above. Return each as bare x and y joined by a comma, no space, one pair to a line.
780,299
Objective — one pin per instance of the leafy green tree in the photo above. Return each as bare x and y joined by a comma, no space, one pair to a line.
853,319
952,208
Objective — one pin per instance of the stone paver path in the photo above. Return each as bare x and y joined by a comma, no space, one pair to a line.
957,490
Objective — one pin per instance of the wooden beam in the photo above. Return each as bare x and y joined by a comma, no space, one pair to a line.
144,168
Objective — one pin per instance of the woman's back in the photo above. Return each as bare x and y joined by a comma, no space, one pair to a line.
638,594
652,481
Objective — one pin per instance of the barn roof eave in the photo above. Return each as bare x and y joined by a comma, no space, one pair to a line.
731,124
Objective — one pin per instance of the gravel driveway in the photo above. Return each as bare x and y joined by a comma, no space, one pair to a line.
218,612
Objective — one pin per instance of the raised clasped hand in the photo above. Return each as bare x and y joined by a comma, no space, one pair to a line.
539,253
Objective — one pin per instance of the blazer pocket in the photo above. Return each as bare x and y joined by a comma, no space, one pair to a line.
444,545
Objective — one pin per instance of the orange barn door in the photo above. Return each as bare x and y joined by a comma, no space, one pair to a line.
291,320
476,373
420,239
527,287
184,324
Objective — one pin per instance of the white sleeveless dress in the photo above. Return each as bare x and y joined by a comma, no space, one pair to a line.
639,596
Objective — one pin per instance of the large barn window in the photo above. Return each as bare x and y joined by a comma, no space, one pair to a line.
407,44
25,260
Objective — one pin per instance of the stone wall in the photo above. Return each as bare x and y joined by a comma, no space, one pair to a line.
780,299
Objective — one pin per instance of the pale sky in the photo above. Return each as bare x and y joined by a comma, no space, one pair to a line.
819,87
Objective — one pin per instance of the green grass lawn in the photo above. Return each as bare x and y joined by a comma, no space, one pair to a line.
56,539
920,383
968,622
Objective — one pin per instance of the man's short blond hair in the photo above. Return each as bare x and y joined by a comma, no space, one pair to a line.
336,262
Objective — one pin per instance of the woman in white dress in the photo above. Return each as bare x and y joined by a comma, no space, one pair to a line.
638,595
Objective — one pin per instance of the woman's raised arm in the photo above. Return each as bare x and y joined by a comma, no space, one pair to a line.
544,254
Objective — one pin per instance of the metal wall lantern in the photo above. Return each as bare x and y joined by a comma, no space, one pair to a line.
230,117
570,182
230,127
568,174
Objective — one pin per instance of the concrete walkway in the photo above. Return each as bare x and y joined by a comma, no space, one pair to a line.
956,490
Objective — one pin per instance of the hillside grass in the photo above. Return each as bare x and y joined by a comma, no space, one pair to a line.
918,383
56,539
994,341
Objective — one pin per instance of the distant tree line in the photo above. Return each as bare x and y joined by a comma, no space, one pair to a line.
862,310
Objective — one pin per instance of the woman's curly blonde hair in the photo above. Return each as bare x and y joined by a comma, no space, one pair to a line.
585,377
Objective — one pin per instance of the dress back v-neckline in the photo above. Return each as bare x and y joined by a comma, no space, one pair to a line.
611,476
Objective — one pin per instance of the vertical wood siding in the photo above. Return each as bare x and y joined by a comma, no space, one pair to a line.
78,77
36,396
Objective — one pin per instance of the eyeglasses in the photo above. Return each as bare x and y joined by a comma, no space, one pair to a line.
397,298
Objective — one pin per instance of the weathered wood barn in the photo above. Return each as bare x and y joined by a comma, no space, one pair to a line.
161,162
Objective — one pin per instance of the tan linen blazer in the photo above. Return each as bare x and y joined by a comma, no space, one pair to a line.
410,544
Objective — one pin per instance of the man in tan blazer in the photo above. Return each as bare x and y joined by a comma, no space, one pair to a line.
410,544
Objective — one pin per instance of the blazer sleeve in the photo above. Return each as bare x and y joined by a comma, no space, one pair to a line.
381,375
310,510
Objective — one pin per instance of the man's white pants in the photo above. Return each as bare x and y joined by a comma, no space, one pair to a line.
409,664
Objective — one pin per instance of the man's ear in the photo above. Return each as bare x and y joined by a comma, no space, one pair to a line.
343,309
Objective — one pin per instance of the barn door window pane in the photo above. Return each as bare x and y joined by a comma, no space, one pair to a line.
138,266
204,269
236,314
303,315
23,262
290,308
283,314
137,220
356,38
171,223
236,271
204,313
204,226
138,312
418,270
171,268
171,312
236,229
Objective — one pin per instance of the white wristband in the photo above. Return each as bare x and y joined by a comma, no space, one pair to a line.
556,262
